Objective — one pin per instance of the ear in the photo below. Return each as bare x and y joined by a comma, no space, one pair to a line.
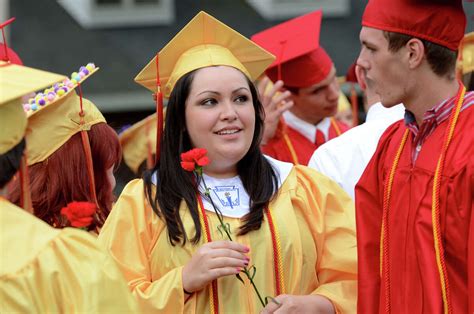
360,75
416,52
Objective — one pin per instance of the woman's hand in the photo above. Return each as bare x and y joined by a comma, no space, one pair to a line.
274,105
214,260
299,304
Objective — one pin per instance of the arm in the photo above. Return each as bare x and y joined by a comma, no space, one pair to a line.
333,229
329,216
129,235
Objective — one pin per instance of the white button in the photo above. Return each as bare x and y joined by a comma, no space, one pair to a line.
418,147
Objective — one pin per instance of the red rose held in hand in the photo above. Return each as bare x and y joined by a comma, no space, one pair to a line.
194,158
79,214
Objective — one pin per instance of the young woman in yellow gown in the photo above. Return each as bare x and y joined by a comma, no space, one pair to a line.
293,225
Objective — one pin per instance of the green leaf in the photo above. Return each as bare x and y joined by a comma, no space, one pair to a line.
219,228
240,278
254,271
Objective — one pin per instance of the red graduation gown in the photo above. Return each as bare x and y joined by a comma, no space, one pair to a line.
415,284
304,148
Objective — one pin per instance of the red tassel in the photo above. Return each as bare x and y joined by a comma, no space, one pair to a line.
87,151
25,199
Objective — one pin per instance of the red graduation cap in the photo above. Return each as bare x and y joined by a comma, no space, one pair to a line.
439,21
300,61
7,54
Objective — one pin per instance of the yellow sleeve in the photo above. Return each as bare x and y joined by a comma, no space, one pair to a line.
129,234
332,224
69,275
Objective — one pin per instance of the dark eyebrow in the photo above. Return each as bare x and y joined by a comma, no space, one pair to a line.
217,93
365,43
238,89
209,91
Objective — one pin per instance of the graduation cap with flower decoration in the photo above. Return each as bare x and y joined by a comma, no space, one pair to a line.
300,60
17,81
203,42
56,114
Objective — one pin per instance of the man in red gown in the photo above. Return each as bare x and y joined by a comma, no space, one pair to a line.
414,209
309,75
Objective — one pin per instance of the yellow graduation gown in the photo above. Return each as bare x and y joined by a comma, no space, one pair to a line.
46,270
315,220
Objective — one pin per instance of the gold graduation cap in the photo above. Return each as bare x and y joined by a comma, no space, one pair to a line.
139,143
204,41
54,115
17,81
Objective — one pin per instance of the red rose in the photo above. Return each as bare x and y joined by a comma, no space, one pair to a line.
79,214
196,157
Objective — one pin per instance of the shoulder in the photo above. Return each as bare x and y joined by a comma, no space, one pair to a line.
27,242
22,237
303,178
133,187
393,134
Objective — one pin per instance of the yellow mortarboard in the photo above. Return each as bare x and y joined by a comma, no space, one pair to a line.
54,116
17,81
204,41
58,113
139,143
466,54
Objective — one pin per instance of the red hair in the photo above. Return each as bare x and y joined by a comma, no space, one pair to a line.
62,178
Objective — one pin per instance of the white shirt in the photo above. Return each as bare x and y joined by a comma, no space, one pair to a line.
229,194
307,129
344,158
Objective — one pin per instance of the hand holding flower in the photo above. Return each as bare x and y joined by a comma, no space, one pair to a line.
214,260
225,261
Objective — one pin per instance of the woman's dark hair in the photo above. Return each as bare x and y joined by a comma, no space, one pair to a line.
10,163
174,184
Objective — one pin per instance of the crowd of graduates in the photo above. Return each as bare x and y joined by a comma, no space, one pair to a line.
257,189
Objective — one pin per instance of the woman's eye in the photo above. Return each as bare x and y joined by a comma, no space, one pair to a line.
208,102
242,98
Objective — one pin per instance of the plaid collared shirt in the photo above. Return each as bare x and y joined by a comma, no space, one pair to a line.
431,119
